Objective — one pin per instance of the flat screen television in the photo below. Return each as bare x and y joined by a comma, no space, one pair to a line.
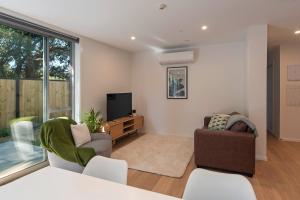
118,105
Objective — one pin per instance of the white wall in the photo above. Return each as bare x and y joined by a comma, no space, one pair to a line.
216,83
104,69
289,115
257,84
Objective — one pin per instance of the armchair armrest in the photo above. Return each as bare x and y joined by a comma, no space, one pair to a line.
100,136
233,151
223,134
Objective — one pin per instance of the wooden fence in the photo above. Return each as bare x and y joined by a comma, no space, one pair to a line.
20,98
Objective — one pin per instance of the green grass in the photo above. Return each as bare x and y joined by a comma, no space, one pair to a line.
4,132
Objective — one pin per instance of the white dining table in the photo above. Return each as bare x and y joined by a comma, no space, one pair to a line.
52,183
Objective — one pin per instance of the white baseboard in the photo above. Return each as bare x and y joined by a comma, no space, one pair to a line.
261,157
290,140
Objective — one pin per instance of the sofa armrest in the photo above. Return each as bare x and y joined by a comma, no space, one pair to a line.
100,136
223,134
233,151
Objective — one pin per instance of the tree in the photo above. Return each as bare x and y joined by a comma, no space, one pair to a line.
60,58
21,55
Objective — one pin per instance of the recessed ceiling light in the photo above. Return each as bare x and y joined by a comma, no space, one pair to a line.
204,28
297,32
132,37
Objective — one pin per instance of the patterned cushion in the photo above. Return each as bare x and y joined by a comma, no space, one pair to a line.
218,122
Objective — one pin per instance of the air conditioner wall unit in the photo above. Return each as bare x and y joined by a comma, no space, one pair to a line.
184,57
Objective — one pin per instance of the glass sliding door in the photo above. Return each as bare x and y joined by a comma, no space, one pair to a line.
21,99
60,78
36,84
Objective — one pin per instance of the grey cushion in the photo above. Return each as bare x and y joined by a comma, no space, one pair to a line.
102,147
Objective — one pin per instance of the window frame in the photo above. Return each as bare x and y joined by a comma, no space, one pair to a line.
34,28
46,33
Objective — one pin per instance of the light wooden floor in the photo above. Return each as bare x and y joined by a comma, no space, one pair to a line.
276,179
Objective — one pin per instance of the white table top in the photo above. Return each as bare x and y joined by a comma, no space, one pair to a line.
57,184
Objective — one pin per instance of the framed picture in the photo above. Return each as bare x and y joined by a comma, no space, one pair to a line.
177,82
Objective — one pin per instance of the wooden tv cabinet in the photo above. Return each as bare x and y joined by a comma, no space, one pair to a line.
124,126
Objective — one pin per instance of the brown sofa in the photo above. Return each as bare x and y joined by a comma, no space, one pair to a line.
225,150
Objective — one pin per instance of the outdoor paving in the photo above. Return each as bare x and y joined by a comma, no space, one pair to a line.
11,155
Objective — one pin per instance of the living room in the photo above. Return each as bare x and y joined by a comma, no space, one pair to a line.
164,76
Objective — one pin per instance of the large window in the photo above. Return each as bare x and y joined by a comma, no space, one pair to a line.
36,84
60,78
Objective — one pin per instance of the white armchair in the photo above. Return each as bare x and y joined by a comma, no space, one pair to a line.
209,185
108,169
101,143
23,137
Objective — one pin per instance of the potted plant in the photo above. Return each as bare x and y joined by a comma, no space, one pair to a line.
93,120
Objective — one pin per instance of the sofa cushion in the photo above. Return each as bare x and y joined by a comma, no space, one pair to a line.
101,147
81,134
239,127
218,122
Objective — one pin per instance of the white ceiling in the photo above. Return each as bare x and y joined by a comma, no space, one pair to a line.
179,25
278,36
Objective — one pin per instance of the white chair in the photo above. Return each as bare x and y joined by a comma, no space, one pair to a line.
209,185
23,137
108,169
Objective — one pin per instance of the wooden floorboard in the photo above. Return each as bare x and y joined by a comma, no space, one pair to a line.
276,179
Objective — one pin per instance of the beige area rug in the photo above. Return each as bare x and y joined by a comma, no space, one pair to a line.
166,155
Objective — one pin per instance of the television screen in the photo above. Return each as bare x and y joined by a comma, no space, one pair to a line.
118,105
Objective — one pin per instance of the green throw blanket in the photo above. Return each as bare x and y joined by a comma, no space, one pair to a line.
56,137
